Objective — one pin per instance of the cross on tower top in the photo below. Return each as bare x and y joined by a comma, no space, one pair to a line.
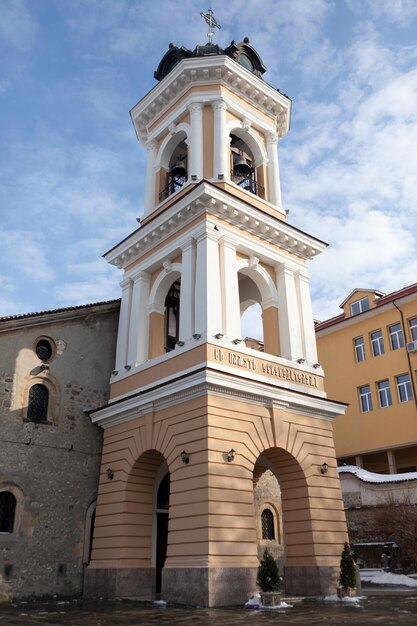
211,22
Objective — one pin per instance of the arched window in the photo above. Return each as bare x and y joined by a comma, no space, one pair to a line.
38,403
243,171
268,530
7,511
172,316
177,173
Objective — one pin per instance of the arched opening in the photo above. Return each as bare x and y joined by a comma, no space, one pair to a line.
251,322
242,167
38,403
7,511
162,518
172,316
283,489
176,172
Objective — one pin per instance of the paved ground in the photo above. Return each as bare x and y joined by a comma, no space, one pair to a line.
386,609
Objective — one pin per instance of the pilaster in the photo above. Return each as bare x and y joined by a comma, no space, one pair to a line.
306,315
221,144
187,291
289,319
196,141
230,289
124,321
139,320
274,185
151,147
208,310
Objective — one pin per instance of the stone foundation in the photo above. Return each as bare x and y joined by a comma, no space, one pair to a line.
311,580
208,587
117,583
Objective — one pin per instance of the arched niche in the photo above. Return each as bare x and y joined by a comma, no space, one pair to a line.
247,158
159,308
171,164
257,287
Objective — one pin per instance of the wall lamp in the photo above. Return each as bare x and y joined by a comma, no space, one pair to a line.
180,344
196,336
301,360
219,335
237,341
316,365
230,455
324,468
110,474
185,457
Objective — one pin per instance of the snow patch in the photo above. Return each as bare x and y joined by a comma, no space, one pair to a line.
378,577
372,477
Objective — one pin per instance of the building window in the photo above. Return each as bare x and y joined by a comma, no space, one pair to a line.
404,388
7,511
396,336
413,328
377,342
38,403
365,398
268,531
384,393
359,306
44,349
359,349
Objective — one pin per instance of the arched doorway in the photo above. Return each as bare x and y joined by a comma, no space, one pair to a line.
162,516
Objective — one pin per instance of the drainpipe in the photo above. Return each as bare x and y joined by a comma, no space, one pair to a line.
410,372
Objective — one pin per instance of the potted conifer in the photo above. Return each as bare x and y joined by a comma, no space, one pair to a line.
269,580
347,578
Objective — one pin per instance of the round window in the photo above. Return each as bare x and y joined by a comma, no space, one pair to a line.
43,349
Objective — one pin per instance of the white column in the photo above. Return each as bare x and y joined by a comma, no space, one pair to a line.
123,329
230,290
274,185
139,320
392,466
151,147
208,308
288,314
306,317
221,142
187,291
195,145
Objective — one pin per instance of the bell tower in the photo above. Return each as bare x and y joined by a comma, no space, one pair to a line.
197,413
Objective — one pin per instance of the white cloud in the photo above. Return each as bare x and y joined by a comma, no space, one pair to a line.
27,251
17,26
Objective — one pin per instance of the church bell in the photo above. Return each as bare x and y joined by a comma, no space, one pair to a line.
241,166
179,170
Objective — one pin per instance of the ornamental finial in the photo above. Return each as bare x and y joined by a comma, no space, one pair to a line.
211,22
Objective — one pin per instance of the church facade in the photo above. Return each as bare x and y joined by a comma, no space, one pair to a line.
196,417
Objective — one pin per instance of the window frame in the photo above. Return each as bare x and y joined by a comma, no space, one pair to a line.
32,401
384,393
377,341
412,326
359,348
361,307
404,385
398,334
271,524
365,397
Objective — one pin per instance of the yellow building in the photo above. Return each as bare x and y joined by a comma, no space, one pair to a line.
195,416
369,355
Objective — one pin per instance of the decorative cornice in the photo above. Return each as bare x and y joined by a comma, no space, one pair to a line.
216,383
219,70
211,199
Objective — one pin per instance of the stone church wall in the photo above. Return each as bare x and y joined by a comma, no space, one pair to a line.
52,467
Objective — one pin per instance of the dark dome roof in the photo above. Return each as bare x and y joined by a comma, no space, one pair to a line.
242,52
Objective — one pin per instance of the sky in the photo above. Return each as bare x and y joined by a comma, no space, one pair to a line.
72,171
